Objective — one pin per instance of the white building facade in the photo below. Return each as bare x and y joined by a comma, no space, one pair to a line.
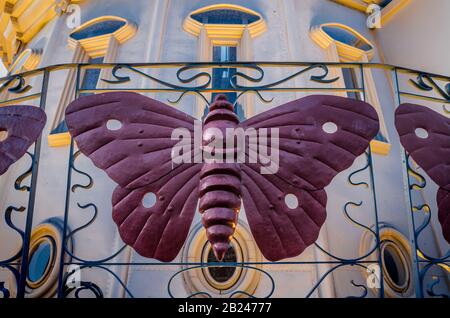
381,238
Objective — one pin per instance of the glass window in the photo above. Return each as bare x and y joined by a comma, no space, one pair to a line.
96,29
39,261
345,36
222,274
395,266
225,16
222,76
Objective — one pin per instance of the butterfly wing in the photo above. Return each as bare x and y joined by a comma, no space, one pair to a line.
431,153
22,126
136,154
309,158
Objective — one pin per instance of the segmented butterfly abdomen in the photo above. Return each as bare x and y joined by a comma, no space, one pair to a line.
220,201
220,182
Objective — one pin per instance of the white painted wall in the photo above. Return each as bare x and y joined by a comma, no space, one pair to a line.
160,38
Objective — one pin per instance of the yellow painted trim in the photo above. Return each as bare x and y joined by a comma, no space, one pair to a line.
195,280
380,147
30,63
353,4
392,9
97,46
21,20
59,140
228,31
347,53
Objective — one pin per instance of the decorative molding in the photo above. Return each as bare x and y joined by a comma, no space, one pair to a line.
380,147
21,20
59,140
97,46
27,60
227,31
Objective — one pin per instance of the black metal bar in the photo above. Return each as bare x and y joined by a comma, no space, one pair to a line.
32,197
67,203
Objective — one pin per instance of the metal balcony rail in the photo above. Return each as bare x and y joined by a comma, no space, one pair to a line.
265,82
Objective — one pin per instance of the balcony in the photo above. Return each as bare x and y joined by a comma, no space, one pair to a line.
255,87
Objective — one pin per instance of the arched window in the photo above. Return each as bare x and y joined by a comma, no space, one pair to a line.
225,32
95,41
343,44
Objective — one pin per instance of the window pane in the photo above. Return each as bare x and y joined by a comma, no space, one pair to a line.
222,76
225,16
101,28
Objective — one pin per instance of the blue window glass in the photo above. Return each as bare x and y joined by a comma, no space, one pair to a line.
39,261
347,37
384,3
225,16
221,77
100,28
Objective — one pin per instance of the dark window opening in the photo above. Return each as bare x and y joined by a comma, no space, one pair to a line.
347,37
396,269
222,77
100,28
225,16
222,274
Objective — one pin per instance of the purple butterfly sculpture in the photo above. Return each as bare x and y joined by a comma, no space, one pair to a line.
138,157
20,127
431,151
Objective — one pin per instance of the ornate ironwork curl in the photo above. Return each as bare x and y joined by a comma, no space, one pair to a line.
85,285
432,286
216,264
422,85
17,85
78,185
18,183
184,89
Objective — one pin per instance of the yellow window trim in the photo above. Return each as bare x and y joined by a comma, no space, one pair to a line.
341,52
229,31
21,20
347,53
380,147
31,62
98,45
59,140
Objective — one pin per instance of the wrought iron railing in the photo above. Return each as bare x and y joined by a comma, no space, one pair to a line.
195,78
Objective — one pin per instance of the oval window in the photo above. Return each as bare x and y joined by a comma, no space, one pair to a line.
395,266
39,261
222,277
222,274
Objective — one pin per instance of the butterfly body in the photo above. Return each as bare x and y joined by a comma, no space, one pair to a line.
220,182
